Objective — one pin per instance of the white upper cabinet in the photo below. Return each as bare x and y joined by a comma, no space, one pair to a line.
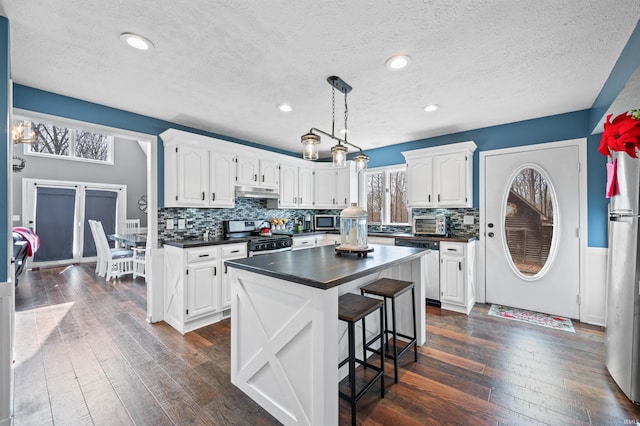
296,186
420,182
222,176
335,188
197,174
252,171
441,176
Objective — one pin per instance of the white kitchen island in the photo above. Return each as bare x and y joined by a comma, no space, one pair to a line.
286,339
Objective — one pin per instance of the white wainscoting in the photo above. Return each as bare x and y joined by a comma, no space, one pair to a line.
595,296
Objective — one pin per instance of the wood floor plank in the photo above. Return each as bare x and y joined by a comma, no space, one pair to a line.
141,404
67,401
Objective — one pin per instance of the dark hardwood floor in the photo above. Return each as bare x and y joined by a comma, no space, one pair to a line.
85,355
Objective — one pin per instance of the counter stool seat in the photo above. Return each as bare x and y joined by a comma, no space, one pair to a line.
389,288
351,309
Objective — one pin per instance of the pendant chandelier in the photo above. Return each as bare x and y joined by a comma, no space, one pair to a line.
311,140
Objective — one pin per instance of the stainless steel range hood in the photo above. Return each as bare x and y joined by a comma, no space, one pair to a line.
256,192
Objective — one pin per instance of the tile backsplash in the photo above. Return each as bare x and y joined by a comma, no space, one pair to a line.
197,220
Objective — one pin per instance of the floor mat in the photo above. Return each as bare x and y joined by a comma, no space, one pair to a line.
545,320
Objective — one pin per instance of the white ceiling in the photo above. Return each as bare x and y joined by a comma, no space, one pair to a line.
223,66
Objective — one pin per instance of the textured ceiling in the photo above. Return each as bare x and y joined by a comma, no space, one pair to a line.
224,66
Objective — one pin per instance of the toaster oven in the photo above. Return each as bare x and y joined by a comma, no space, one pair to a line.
430,225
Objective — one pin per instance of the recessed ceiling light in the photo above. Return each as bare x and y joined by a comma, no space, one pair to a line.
284,107
136,41
431,108
398,62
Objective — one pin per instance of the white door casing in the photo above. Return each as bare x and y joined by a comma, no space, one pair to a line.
556,288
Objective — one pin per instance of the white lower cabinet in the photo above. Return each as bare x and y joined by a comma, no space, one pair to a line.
457,272
197,291
328,240
304,242
384,241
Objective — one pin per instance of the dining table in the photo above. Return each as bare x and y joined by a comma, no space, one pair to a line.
130,239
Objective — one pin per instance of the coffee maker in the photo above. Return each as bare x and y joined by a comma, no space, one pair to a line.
307,223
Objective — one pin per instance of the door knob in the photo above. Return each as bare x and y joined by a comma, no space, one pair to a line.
490,234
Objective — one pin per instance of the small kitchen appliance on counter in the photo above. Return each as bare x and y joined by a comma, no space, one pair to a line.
259,238
434,225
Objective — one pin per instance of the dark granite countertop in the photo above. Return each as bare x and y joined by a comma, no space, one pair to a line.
451,238
191,243
321,267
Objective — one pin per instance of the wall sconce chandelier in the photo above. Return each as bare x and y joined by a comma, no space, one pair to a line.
311,140
22,133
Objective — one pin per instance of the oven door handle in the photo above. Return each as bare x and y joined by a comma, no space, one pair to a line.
259,253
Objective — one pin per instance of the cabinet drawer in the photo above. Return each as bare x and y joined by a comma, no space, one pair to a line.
451,249
234,250
201,254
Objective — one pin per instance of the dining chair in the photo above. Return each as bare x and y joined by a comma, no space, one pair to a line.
130,226
117,261
139,262
101,262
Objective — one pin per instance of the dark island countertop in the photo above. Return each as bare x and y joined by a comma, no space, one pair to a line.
321,267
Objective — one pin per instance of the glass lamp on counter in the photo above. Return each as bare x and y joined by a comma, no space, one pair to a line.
353,229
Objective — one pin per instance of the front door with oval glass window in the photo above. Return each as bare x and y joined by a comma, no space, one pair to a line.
532,217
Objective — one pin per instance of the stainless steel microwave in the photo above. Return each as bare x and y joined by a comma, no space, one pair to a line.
430,225
326,222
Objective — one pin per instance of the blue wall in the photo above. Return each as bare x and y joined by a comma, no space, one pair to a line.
31,99
4,152
546,129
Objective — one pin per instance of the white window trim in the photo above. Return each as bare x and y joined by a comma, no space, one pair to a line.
71,124
387,202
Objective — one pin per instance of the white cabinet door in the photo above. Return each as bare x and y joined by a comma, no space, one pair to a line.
247,170
269,174
288,185
221,175
192,176
384,241
203,290
343,188
300,243
452,279
305,187
229,252
450,176
325,188
420,182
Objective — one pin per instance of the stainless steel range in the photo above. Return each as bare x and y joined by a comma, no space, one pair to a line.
259,242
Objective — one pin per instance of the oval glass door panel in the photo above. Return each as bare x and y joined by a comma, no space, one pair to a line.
529,222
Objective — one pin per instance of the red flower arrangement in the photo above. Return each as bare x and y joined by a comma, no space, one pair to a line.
621,134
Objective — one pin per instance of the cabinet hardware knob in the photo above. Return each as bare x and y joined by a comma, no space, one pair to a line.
213,196
490,225
490,234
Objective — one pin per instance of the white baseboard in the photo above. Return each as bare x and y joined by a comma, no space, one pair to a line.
595,295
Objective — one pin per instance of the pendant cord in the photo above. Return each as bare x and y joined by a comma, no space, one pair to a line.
333,111
346,116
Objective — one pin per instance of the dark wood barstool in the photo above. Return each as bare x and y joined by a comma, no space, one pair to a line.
390,288
351,309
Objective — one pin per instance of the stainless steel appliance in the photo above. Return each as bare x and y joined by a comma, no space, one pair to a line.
430,225
308,224
622,336
326,222
432,282
257,244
